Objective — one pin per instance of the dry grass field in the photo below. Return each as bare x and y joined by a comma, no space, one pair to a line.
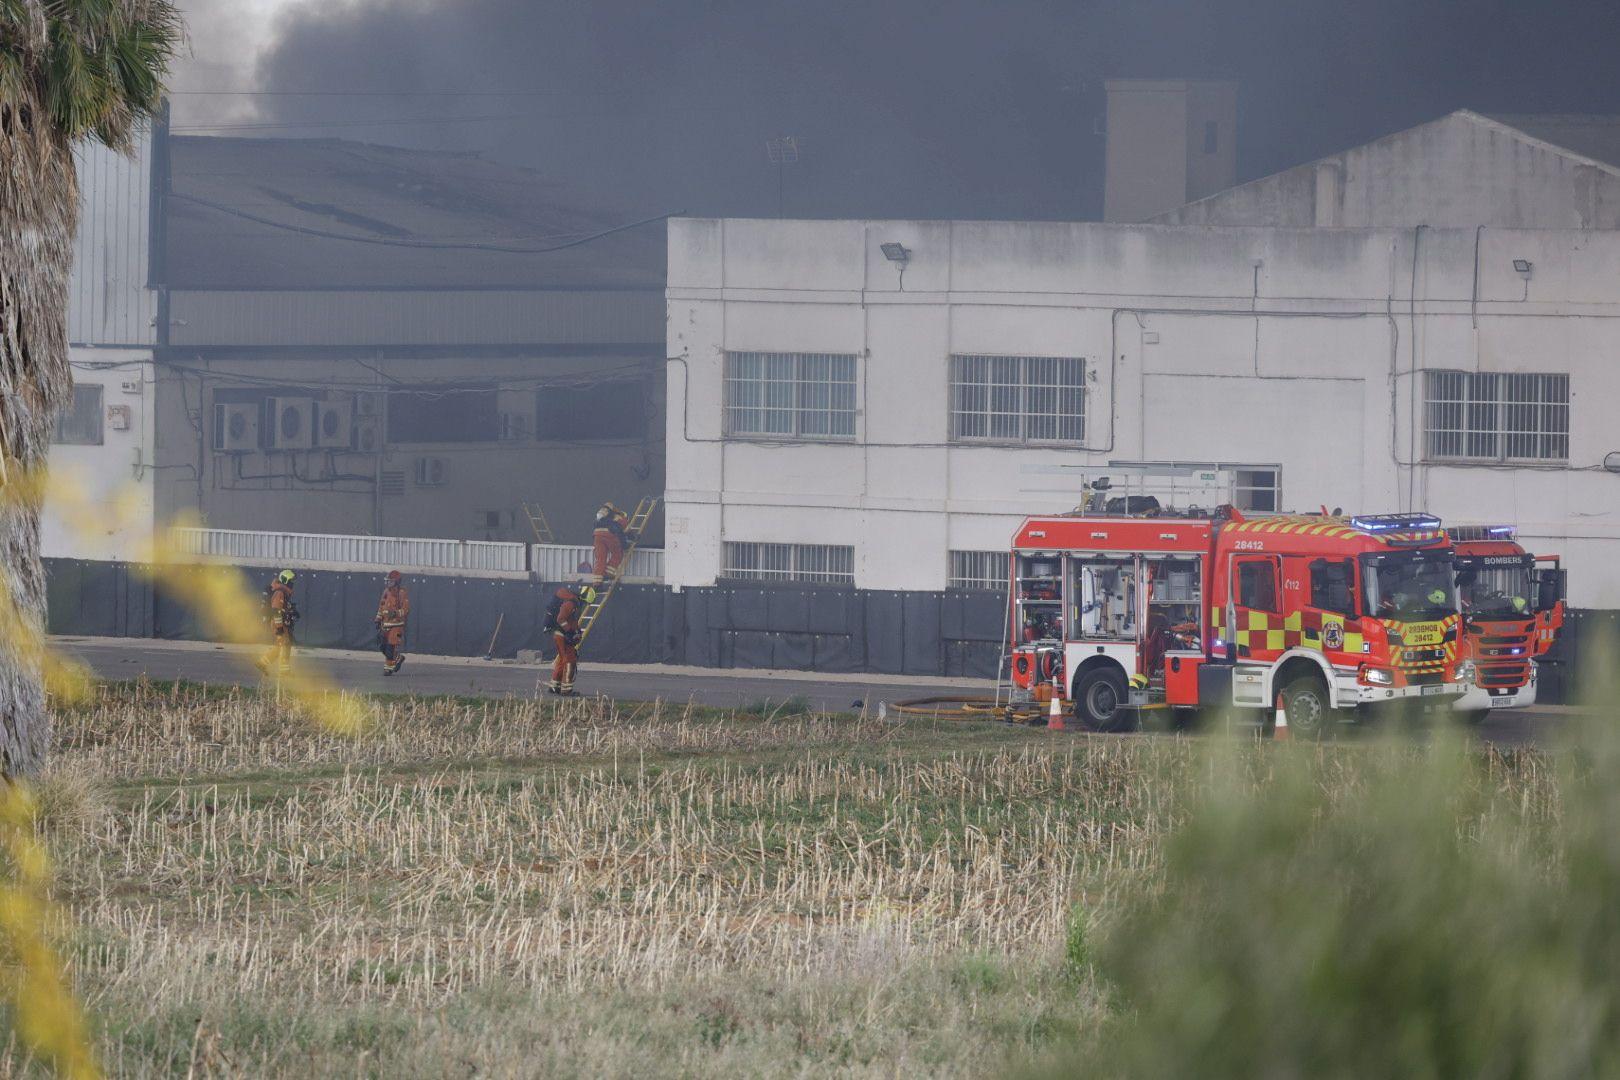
517,888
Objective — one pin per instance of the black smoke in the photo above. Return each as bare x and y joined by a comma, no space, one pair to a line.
903,108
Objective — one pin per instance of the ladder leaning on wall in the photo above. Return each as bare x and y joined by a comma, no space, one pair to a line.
637,525
538,522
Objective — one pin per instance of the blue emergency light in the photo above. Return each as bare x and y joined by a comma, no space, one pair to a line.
1395,522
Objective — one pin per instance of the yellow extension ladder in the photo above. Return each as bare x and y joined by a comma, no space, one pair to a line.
538,522
637,525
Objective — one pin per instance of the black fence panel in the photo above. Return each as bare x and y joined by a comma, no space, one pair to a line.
814,628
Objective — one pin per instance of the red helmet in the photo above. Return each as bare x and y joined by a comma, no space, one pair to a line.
393,577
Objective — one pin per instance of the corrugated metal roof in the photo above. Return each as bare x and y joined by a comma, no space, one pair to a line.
108,301
446,317
328,213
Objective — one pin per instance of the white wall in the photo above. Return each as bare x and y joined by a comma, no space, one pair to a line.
1460,171
111,329
1293,347
110,484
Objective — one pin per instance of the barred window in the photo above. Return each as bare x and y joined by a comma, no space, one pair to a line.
826,563
80,423
1492,416
790,395
1018,399
979,570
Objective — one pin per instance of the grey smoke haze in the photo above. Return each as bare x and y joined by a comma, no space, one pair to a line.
904,108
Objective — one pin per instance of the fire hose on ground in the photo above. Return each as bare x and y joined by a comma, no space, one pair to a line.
958,707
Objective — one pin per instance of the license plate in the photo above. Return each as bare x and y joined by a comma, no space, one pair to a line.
1437,688
1423,634
1501,702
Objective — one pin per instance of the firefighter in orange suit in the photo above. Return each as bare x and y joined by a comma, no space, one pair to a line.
562,619
392,611
608,540
283,615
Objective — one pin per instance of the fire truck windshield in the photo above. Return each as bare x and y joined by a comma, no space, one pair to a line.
1497,586
1410,586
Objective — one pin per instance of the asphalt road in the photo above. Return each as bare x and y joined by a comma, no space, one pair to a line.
130,658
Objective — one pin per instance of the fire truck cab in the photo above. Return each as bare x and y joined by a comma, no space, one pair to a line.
1320,614
1512,608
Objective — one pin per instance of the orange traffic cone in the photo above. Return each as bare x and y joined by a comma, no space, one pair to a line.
1279,731
1054,714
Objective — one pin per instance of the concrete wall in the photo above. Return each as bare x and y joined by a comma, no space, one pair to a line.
1263,346
376,493
100,506
1461,171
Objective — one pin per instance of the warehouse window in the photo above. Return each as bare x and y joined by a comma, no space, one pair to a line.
1020,399
978,570
80,423
1494,416
790,395
443,413
826,563
594,412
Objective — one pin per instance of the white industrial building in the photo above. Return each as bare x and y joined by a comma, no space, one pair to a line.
105,440
815,404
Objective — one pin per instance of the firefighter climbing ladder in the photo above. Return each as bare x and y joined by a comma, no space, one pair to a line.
638,524
538,522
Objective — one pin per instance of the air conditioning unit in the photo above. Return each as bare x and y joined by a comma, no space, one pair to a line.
333,427
236,428
368,402
431,471
368,434
292,423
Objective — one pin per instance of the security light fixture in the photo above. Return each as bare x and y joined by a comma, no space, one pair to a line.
896,253
1523,266
783,151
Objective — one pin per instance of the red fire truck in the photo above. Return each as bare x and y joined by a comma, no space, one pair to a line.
1321,615
1513,608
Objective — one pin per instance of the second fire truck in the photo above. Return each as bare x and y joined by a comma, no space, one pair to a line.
1512,608
1320,615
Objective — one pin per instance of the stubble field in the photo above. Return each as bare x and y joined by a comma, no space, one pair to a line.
520,888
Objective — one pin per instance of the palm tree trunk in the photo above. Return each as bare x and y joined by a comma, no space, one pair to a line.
38,215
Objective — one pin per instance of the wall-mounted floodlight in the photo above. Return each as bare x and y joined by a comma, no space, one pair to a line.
1523,266
896,253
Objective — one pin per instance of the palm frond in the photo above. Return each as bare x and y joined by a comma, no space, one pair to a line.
98,66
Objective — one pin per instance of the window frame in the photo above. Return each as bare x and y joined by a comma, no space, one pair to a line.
799,409
962,558
795,555
71,413
629,389
397,406
1350,609
1024,413
1481,420
1270,563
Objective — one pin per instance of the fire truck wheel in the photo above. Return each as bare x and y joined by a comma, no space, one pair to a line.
1100,696
1472,717
1310,713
